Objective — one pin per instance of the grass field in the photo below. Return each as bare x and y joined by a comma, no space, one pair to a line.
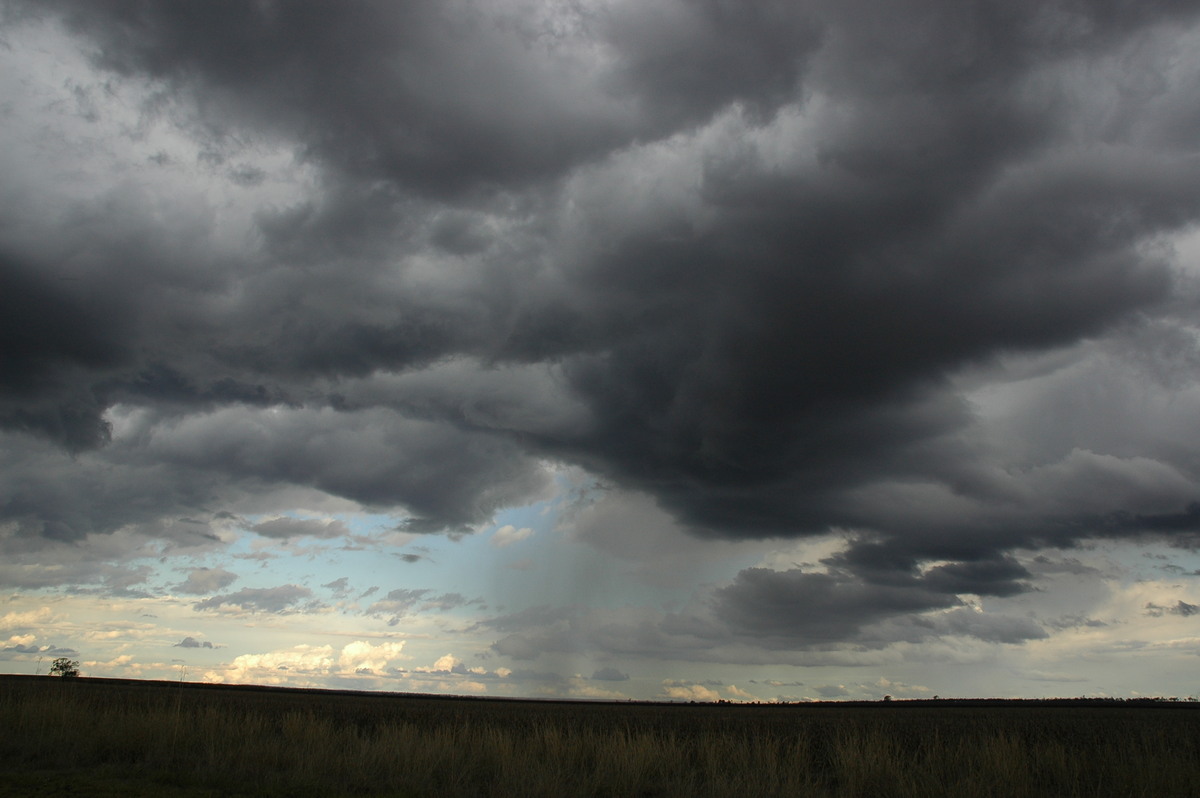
109,737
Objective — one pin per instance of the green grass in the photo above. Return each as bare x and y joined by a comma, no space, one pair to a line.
99,737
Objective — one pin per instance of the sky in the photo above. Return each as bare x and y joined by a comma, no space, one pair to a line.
648,349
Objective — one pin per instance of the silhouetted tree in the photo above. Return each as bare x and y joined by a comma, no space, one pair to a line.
65,667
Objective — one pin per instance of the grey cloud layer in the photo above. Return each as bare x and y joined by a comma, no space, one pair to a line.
282,599
736,257
452,97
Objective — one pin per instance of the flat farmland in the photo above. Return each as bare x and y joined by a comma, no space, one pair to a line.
115,737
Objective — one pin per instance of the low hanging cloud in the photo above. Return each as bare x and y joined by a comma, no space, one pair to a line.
398,603
816,608
282,600
448,601
25,644
201,581
609,674
787,615
1180,608
286,527
340,587
870,594
832,691
191,642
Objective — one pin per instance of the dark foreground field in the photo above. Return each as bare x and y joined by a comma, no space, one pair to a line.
109,737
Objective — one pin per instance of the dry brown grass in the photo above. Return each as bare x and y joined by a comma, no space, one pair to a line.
93,737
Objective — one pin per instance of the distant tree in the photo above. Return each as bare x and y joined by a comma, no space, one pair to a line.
65,667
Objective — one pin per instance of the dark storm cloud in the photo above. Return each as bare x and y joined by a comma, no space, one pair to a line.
72,568
889,564
446,477
684,60
449,97
780,361
300,527
873,594
762,616
731,256
755,369
877,604
985,578
815,607
988,628
49,495
49,334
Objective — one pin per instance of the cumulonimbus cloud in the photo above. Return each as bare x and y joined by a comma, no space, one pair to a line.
909,270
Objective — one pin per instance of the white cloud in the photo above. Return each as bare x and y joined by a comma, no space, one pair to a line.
305,662
362,655
447,663
689,692
302,659
21,620
508,535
